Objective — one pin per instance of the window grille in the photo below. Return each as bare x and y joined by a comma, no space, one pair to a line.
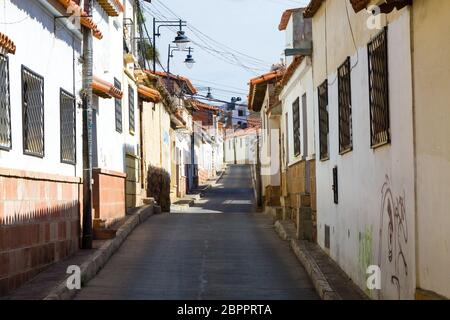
5,106
68,127
296,126
131,109
345,107
379,90
323,120
33,112
118,107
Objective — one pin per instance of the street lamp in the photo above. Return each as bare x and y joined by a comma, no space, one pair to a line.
189,61
209,94
181,40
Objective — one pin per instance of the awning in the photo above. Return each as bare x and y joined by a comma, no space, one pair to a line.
112,7
149,94
85,20
105,89
7,44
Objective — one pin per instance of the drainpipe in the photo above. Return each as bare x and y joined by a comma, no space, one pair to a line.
86,242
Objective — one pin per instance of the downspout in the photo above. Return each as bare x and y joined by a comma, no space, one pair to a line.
416,231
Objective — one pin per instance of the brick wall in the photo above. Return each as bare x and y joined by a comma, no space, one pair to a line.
39,224
109,195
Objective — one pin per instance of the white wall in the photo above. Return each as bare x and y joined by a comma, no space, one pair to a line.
372,182
108,64
300,83
51,55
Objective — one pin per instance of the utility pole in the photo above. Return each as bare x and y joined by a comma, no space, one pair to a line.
86,242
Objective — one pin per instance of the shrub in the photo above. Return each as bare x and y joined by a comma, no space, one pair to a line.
158,187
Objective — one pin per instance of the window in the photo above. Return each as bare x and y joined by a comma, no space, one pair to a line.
118,107
287,138
67,120
323,120
379,90
345,107
5,107
240,113
32,113
296,126
131,109
305,125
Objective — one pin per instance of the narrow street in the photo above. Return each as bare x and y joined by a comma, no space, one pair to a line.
220,249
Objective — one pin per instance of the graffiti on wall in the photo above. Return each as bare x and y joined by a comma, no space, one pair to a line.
393,236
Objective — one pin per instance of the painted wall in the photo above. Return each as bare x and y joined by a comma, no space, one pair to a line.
108,64
269,153
376,186
300,83
54,56
431,66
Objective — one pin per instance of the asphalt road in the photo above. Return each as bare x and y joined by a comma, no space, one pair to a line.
219,249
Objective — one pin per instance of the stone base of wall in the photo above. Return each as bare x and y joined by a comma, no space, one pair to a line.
203,176
133,188
109,195
298,198
272,196
39,224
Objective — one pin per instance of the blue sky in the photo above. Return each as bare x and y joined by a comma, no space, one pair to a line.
246,31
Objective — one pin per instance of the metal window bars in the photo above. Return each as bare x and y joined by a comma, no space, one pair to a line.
296,125
32,113
5,106
345,107
131,114
118,107
379,90
68,127
323,120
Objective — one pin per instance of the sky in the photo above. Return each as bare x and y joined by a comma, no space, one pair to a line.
233,40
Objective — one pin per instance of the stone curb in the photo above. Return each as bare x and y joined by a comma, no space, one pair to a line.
319,280
101,256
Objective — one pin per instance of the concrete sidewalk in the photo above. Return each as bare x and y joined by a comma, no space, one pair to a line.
183,204
50,284
330,281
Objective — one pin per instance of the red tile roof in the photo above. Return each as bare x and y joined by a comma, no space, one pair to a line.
201,105
358,5
174,77
285,18
149,94
291,69
112,7
85,20
105,89
255,82
7,44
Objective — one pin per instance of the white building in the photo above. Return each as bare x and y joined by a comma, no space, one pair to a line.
364,143
40,135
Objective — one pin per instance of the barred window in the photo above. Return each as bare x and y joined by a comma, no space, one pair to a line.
68,122
323,120
5,107
296,126
345,107
131,109
118,107
379,90
32,112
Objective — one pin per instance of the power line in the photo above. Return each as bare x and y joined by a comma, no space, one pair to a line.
213,52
